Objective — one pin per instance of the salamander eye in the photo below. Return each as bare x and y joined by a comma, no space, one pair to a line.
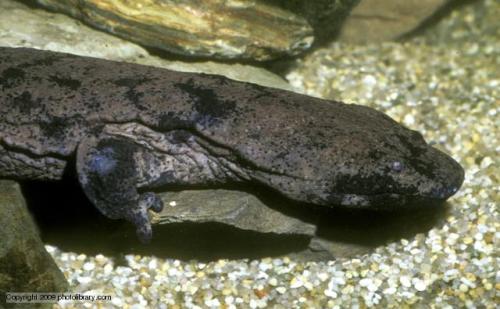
397,166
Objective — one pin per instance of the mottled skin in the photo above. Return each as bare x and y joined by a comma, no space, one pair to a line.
136,128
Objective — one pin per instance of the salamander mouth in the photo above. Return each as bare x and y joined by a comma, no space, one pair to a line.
443,193
388,201
393,201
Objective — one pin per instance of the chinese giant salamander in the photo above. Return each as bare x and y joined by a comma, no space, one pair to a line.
134,129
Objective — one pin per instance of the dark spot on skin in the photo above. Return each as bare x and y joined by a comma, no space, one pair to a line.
261,90
415,149
207,104
11,78
262,95
48,60
93,104
370,184
170,120
423,167
180,136
72,84
54,127
354,184
316,145
282,155
130,82
254,136
25,103
96,129
221,80
375,154
132,94
418,148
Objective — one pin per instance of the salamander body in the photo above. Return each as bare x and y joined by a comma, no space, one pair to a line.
135,128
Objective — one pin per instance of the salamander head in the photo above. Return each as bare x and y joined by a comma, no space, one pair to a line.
356,157
367,172
403,170
377,171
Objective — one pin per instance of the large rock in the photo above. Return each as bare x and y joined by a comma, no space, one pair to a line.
25,266
325,16
330,233
243,29
231,207
375,20
21,26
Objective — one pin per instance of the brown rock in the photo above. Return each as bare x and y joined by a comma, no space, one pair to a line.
25,266
216,28
375,20
22,26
